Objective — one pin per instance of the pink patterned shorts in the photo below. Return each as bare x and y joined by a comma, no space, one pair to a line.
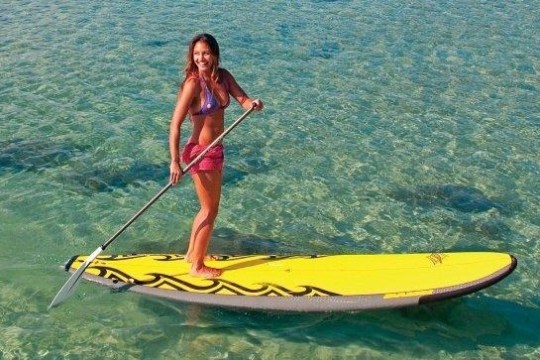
212,160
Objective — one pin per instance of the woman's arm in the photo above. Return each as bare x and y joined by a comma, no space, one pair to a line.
239,94
185,97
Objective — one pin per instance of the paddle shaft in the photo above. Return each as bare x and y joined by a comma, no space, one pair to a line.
169,185
68,287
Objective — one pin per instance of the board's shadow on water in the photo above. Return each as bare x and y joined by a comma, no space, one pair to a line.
466,324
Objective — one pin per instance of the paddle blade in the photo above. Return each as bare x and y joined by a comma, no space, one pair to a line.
72,282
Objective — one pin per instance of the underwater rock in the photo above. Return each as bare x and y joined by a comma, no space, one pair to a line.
157,43
102,178
35,155
326,51
458,197
76,168
39,155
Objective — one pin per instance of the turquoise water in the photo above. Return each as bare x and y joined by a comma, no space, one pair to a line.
389,127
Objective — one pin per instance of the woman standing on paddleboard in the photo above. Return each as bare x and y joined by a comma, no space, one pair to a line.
204,95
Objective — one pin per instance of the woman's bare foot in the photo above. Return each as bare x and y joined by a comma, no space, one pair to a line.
205,272
188,258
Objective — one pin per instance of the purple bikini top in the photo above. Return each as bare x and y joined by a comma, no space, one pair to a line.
210,103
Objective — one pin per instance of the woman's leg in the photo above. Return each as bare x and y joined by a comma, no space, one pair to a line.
208,188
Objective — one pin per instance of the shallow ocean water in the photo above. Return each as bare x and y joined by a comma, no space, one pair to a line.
389,127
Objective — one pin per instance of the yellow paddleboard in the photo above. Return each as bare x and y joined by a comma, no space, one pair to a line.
305,283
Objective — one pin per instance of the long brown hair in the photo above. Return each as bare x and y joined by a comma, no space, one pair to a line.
191,68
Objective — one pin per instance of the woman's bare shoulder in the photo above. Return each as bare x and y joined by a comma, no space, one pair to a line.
190,82
191,79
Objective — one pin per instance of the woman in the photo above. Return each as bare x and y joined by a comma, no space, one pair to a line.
204,95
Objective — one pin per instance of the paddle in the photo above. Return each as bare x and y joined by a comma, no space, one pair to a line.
70,284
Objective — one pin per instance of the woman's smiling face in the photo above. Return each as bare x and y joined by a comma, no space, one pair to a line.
202,56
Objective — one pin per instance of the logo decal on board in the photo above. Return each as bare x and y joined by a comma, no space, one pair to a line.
437,258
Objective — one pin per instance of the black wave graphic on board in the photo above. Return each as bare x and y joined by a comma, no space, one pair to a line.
210,286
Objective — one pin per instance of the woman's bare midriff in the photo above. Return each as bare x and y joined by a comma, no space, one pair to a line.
206,128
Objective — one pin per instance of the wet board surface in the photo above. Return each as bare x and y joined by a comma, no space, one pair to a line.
304,283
